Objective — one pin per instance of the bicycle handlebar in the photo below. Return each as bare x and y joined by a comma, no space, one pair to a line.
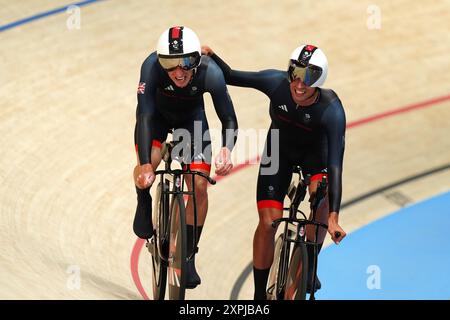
180,171
276,222
201,174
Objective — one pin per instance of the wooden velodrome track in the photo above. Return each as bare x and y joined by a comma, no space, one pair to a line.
67,113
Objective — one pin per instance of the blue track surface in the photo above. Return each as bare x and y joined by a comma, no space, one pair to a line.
405,255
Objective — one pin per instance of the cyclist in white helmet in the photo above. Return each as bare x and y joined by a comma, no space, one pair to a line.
310,122
170,96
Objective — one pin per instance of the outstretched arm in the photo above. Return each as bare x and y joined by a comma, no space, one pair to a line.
334,123
264,81
216,86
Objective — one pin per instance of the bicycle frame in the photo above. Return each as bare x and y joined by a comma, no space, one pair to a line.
297,233
178,178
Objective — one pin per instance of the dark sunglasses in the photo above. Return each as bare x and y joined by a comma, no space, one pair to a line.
307,74
185,62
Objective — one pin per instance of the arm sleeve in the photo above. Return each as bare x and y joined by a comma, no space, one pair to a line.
216,86
145,110
334,122
265,81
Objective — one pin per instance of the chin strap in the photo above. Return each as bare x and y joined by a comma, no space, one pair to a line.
318,96
193,75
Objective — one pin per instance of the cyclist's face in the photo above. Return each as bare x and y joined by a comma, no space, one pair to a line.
181,77
300,92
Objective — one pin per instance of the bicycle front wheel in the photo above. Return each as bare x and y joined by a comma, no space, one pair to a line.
297,274
159,249
278,270
177,249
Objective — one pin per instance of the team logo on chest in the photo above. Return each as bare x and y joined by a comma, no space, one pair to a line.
283,107
193,90
306,118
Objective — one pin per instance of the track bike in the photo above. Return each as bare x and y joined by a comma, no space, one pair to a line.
289,273
168,245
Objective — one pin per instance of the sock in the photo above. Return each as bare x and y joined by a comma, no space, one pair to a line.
260,277
143,194
142,225
310,250
190,237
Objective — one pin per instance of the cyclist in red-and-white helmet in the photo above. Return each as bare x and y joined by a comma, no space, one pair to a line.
310,123
170,96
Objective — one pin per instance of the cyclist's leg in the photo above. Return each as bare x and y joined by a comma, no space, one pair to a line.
142,224
201,195
201,161
322,210
271,190
315,165
201,198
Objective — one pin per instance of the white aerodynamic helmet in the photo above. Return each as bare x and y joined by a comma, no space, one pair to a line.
178,47
309,64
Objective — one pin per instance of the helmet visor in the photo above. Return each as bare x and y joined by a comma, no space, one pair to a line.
186,62
307,74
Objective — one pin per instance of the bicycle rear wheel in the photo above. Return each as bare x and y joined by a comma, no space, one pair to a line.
177,249
297,276
160,222
278,270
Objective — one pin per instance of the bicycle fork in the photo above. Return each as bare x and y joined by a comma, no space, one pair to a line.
319,196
